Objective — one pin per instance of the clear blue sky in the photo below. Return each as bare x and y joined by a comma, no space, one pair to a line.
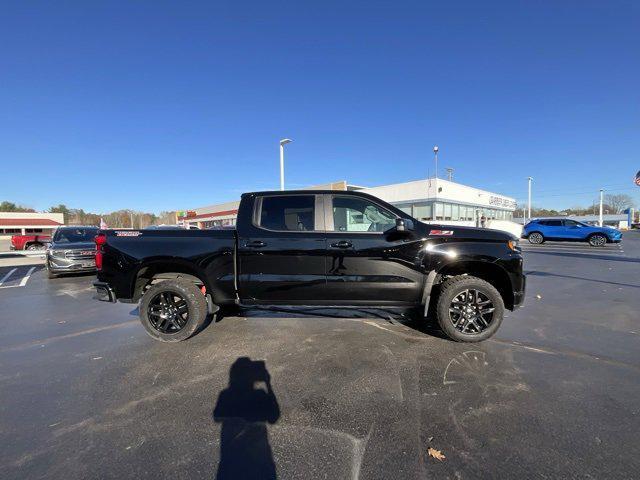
158,105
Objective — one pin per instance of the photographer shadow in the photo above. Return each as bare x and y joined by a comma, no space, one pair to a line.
243,409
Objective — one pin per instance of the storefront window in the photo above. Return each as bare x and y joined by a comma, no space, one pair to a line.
439,210
455,212
406,209
423,212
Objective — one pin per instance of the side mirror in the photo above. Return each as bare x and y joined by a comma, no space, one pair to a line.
402,225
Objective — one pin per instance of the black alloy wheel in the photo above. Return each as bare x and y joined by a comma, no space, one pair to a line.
471,312
469,309
168,312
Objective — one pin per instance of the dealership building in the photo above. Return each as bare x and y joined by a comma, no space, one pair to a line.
429,200
28,223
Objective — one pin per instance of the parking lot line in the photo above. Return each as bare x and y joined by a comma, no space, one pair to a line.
23,281
4,279
26,277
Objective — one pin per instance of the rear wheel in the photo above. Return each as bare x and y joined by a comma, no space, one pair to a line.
173,310
536,238
35,246
597,240
469,309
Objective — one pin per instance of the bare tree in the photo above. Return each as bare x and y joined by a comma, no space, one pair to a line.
619,202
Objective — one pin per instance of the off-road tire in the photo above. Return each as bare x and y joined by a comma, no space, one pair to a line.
598,240
536,238
454,286
196,306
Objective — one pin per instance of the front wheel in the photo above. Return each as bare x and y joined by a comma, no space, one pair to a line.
172,310
535,238
35,246
469,309
597,240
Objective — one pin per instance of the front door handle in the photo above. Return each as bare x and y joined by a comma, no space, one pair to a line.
256,244
341,244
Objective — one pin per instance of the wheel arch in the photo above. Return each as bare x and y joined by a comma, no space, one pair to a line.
165,270
490,272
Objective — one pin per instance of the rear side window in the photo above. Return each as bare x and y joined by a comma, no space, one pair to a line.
554,223
288,213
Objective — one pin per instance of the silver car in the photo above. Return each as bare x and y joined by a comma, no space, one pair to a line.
72,249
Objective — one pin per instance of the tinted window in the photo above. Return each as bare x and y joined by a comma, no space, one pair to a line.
571,223
291,212
353,214
73,235
554,223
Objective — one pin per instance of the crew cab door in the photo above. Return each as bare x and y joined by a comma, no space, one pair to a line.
368,262
281,249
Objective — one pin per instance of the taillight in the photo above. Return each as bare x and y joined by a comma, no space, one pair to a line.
100,240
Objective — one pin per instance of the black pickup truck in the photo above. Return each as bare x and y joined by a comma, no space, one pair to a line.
313,248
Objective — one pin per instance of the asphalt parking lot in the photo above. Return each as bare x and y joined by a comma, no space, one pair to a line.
85,393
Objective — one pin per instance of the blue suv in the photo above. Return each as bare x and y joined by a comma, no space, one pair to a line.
539,230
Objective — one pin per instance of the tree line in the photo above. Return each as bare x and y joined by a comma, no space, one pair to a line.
612,204
117,219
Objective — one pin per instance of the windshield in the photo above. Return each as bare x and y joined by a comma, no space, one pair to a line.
75,235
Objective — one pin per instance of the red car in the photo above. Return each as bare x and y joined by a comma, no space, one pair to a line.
29,242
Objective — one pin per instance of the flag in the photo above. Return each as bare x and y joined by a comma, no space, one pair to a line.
103,224
637,179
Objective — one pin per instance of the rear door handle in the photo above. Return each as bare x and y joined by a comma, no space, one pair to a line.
256,244
341,244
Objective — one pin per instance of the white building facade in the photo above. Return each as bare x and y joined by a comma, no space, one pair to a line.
437,200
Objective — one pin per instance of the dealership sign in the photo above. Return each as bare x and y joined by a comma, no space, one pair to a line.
502,202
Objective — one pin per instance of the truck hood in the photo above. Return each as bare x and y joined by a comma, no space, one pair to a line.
74,246
458,232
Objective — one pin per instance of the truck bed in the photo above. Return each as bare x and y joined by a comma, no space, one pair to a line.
132,254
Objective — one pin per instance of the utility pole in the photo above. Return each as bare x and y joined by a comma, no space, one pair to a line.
131,216
529,205
449,174
601,200
283,142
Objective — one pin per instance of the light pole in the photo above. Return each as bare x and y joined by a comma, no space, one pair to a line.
283,142
435,152
601,199
529,205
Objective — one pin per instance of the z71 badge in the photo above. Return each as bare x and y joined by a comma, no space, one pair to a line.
128,233
441,232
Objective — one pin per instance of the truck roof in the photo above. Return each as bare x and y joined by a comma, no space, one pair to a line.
309,192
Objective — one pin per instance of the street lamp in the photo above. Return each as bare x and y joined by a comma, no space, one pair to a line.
435,152
283,142
601,201
529,205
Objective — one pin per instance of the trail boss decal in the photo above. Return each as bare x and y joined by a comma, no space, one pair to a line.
128,233
441,232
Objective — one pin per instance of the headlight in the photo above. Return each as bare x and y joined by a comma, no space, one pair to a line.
56,253
514,245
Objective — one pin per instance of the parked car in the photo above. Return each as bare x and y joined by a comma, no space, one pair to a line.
29,242
539,230
72,249
320,248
